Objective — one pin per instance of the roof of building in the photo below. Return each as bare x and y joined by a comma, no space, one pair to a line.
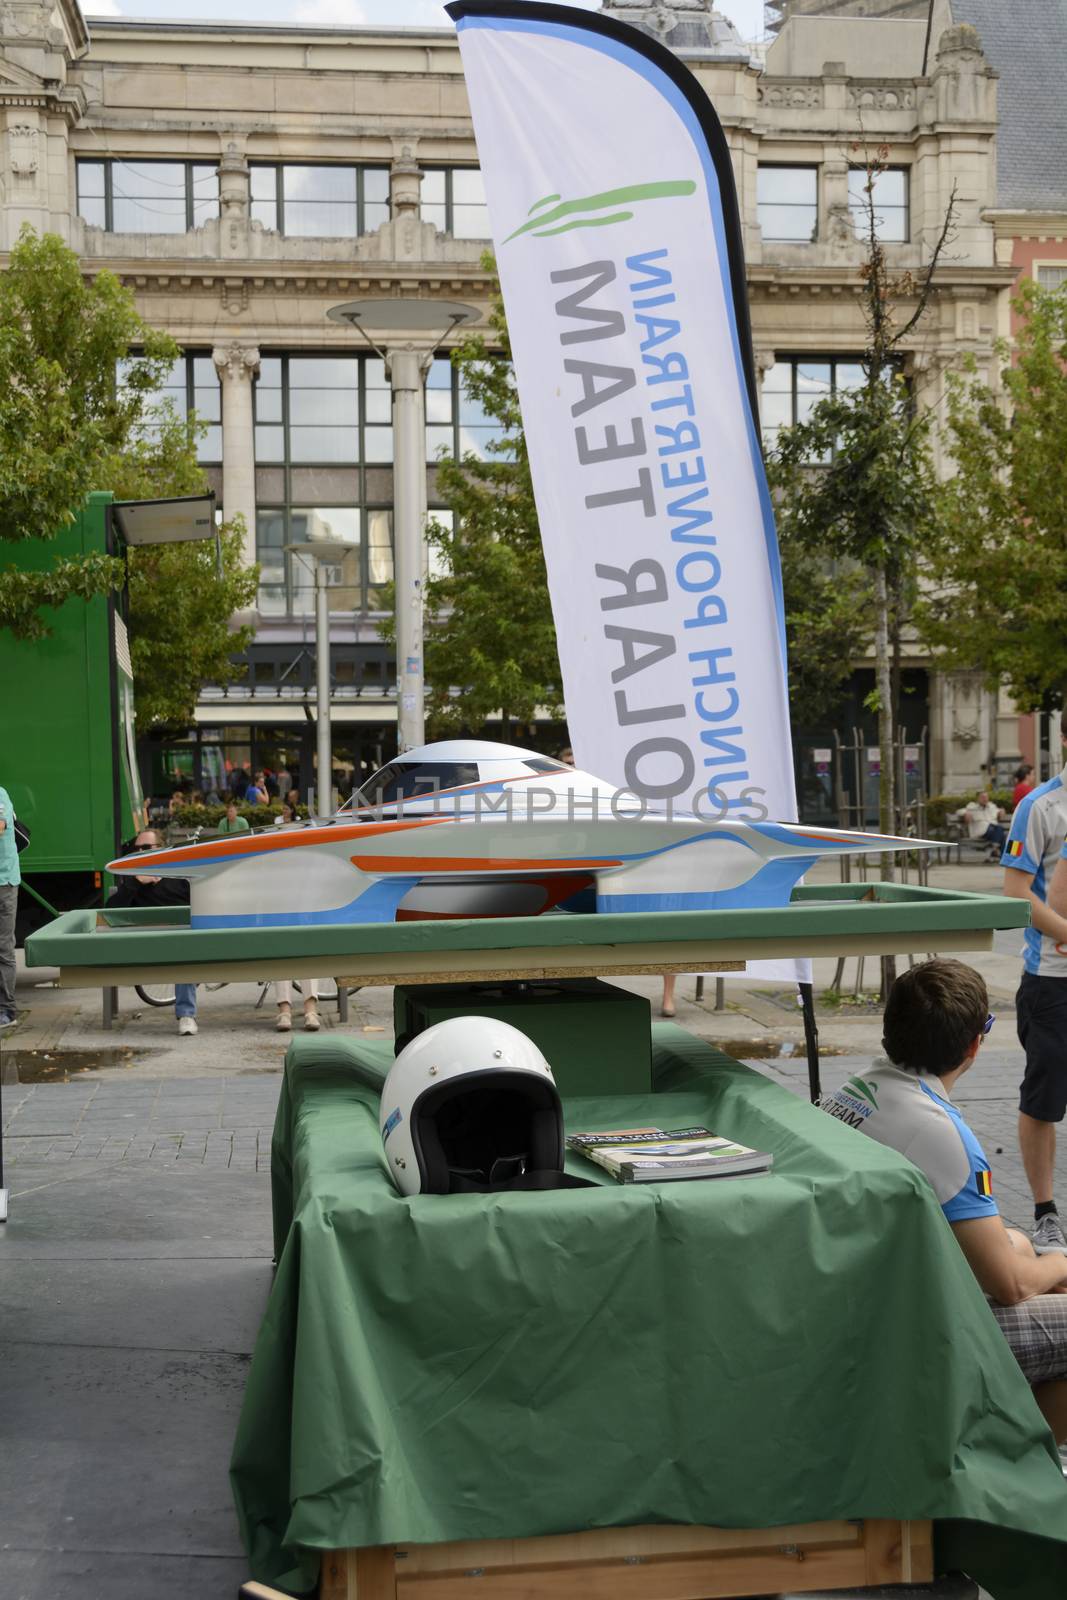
1030,54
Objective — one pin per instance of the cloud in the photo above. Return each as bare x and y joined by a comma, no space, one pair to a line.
102,8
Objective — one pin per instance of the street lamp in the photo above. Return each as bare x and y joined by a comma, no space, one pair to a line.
413,330
322,553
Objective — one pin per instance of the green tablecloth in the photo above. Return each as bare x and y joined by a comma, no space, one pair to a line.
747,1353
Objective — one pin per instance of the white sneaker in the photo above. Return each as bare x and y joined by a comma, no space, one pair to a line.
284,1023
311,1019
186,1025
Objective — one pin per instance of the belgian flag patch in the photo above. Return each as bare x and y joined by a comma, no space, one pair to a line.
984,1180
1015,847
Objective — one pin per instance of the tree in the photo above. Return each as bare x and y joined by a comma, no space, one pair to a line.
66,427
62,415
490,639
855,482
999,571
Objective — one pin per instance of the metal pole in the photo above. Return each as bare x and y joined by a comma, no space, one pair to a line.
406,366
324,775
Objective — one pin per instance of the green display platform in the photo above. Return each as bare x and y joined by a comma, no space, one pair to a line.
597,1038
746,1353
96,951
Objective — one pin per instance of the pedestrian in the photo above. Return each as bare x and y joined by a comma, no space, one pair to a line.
1035,842
292,799
285,781
283,994
1024,782
10,878
152,891
256,793
231,822
239,781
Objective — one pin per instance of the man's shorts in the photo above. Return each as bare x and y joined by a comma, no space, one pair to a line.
1041,1021
1036,1330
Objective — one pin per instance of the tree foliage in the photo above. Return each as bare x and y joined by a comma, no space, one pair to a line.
67,427
490,639
999,572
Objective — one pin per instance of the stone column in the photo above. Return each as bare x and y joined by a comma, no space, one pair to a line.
765,360
237,364
234,203
405,183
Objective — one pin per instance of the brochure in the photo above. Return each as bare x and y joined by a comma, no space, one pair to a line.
650,1155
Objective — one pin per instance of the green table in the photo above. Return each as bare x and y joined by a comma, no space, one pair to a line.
750,1353
99,951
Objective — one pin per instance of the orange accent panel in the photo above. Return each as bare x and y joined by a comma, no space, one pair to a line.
472,864
257,843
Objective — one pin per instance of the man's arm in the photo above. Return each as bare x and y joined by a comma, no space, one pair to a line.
1006,1274
1057,889
1019,885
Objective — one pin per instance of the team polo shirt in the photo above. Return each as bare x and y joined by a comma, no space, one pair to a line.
1038,830
914,1115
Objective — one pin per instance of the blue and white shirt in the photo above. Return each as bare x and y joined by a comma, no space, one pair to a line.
914,1115
1038,830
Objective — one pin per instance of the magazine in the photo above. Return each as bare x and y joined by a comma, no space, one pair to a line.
650,1155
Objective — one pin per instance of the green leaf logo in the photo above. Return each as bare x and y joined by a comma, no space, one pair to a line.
863,1090
596,210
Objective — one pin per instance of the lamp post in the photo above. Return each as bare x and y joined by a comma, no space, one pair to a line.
412,331
322,553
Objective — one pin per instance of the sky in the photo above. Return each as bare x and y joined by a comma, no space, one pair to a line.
747,14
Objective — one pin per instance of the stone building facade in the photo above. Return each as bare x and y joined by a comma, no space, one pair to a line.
244,180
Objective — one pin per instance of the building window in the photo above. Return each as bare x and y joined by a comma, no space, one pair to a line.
327,202
1052,277
454,422
453,199
192,385
147,196
793,387
787,203
890,203
323,434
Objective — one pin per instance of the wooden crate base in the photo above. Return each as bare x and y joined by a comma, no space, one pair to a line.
646,1563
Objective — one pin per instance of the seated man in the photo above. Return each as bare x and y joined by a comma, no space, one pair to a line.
935,1022
982,817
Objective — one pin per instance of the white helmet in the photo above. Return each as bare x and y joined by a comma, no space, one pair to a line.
471,1105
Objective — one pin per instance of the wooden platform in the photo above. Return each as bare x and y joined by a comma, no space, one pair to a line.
647,1563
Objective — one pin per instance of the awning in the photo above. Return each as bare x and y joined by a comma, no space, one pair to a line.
287,713
173,521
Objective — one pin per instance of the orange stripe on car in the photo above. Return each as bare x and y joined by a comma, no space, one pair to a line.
473,864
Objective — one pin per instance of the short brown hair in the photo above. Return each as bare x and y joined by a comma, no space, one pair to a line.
933,1015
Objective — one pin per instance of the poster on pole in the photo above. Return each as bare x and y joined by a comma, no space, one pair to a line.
618,245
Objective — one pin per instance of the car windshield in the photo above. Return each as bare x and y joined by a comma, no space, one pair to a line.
406,779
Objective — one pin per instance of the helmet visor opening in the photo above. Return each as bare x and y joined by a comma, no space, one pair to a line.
488,1132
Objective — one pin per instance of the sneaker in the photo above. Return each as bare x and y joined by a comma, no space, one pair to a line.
284,1023
186,1025
312,1024
1048,1236
8,1019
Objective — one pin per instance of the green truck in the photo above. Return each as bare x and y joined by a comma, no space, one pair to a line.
69,756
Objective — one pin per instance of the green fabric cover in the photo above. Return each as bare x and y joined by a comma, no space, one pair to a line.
748,1353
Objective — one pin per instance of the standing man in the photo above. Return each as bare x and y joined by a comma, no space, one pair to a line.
1038,830
10,878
